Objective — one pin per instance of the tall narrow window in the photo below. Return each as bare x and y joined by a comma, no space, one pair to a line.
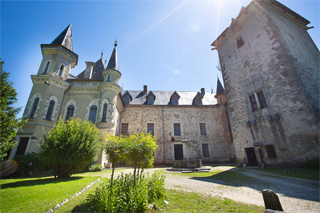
70,111
50,110
104,112
61,70
205,150
93,113
124,128
108,78
253,103
46,68
177,130
34,107
203,129
262,100
175,100
22,146
150,128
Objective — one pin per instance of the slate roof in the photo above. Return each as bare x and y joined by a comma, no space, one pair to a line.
97,70
163,97
220,89
65,38
113,62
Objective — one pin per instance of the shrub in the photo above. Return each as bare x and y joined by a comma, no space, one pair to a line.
70,146
29,163
95,168
127,194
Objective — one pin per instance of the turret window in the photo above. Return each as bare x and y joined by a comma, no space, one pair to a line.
93,113
104,112
46,68
50,110
61,70
34,107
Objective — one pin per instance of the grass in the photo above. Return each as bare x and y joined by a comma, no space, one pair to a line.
180,201
38,194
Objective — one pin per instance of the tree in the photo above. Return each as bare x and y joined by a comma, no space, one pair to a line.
9,125
70,146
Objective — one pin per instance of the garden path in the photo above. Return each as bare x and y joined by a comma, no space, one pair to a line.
296,195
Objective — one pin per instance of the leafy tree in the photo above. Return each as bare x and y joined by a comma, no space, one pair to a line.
70,146
114,149
9,125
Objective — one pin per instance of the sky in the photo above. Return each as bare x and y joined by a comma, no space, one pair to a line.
165,44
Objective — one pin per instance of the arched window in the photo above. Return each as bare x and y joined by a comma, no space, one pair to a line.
104,112
50,110
34,107
93,113
70,111
61,70
46,68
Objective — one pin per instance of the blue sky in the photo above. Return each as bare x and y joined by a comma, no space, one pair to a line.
164,44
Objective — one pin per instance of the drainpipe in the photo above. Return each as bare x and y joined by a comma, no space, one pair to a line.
163,144
65,92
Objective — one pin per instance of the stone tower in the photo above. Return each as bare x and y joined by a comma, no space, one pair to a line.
270,67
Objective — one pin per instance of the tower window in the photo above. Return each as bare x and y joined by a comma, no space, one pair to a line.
93,113
203,129
240,42
46,67
70,111
50,110
124,128
256,96
150,128
104,112
177,129
34,107
108,78
205,150
61,70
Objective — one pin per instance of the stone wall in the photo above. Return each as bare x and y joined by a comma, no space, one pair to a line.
189,118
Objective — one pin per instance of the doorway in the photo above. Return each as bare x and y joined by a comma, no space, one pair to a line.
178,152
251,157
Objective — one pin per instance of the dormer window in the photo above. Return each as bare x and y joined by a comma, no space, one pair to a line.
175,98
150,100
126,99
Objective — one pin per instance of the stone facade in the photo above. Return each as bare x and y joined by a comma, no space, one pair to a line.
270,68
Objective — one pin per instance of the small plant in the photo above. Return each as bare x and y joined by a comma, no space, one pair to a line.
128,194
310,163
95,168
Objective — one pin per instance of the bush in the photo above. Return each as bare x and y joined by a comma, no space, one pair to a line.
70,146
128,194
29,163
95,168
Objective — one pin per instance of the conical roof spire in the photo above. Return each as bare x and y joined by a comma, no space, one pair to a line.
220,89
65,38
113,61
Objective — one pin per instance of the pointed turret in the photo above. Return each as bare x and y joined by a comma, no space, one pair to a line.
220,89
65,38
113,61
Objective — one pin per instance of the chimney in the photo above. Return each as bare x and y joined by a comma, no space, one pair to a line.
145,89
202,91
89,68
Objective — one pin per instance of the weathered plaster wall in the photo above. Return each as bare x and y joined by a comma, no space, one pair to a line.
189,117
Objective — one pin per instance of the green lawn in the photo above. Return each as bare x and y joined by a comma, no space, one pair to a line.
39,194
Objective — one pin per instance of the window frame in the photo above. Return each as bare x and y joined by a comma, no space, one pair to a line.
124,129
93,115
150,128
202,128
271,152
256,95
46,67
60,72
50,110
205,151
68,116
177,129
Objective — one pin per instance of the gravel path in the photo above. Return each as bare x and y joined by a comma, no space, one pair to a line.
296,195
